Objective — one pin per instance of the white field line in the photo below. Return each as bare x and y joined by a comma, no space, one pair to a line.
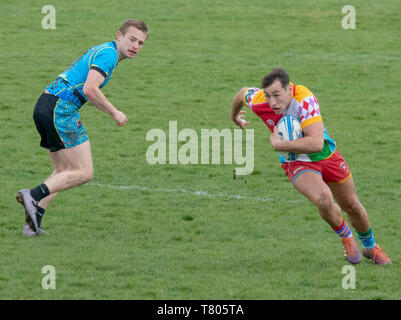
199,193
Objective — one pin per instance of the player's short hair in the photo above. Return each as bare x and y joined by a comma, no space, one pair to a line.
275,74
136,23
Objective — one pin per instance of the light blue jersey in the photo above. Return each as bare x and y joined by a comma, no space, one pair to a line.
69,84
68,87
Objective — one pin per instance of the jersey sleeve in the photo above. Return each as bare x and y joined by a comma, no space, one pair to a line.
309,111
104,61
249,95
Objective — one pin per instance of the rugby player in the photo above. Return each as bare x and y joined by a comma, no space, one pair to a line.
58,122
320,173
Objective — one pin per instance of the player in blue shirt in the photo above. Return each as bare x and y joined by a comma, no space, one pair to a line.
69,84
58,122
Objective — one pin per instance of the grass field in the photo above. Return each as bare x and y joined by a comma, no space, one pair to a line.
141,231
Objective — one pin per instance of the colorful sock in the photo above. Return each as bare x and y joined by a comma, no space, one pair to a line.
39,215
367,239
40,192
343,230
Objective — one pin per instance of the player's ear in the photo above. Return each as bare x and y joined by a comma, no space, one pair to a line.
119,35
289,88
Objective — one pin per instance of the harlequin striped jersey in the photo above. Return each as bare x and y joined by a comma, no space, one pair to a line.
304,106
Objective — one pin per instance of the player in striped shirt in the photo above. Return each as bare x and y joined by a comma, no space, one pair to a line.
320,173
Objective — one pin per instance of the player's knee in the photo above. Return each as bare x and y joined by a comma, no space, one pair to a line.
87,175
353,207
325,201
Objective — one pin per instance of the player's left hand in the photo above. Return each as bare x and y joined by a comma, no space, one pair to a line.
275,139
240,121
120,118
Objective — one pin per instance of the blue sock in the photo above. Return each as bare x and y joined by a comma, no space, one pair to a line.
367,239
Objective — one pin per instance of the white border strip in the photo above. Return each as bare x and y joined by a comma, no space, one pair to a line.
199,193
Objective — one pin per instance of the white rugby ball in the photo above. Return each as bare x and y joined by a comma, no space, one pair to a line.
289,128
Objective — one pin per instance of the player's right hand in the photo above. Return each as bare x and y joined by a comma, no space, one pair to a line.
120,118
240,121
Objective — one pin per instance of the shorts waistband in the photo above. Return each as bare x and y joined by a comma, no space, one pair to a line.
65,90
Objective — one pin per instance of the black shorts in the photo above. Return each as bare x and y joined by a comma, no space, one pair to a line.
43,115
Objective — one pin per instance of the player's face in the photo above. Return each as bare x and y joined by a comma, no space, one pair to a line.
279,98
130,43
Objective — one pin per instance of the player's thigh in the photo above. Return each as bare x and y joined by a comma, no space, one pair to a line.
312,186
78,157
57,161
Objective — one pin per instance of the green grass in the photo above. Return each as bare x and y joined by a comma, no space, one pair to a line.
146,243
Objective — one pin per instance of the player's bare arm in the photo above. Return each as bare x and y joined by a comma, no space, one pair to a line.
97,98
312,141
236,113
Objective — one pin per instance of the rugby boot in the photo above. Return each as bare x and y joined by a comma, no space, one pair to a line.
377,255
30,204
351,251
27,231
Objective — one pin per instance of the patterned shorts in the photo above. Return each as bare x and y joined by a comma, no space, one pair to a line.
58,123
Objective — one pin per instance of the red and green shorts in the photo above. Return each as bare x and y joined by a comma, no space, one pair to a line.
332,169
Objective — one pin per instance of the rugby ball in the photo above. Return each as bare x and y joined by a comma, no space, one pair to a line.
289,128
